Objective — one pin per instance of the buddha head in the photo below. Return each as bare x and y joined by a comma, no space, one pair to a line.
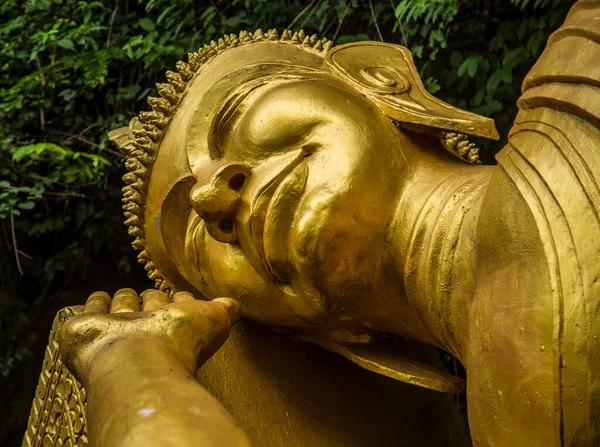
269,171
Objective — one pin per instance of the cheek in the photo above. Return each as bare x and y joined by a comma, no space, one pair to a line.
339,235
336,242
229,274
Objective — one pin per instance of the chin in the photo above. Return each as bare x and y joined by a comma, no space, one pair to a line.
338,258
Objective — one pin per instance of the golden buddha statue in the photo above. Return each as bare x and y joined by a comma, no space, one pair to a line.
324,191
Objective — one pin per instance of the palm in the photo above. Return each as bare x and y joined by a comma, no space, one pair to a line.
192,329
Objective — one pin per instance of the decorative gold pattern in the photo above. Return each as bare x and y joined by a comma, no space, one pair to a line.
58,410
459,144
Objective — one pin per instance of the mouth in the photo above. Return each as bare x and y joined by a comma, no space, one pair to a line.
266,222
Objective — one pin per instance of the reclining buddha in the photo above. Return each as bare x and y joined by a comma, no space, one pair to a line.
321,190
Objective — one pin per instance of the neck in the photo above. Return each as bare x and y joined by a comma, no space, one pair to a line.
432,241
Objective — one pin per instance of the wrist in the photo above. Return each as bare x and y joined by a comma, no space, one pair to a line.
137,356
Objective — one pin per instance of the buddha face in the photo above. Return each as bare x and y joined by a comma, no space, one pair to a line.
291,210
270,171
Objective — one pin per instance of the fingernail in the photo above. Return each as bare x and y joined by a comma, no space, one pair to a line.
146,292
233,308
125,290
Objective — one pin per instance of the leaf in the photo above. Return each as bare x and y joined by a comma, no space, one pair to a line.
68,94
521,30
418,51
37,149
351,38
166,11
147,24
472,67
478,98
432,85
26,205
488,108
455,59
496,42
66,43
436,35
483,66
512,58
208,13
521,3
535,42
506,75
234,21
503,74
494,81
469,66
402,9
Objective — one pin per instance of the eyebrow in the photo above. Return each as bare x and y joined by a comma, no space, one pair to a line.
227,115
223,118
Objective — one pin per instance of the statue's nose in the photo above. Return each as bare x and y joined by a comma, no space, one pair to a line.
217,200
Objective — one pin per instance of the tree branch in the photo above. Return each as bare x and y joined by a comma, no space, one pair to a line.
110,25
399,24
310,15
310,5
337,31
43,83
14,240
375,20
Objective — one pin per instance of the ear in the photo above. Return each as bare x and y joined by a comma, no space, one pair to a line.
123,137
387,75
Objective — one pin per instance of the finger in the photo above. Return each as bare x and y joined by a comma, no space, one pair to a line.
183,296
125,300
232,307
98,302
153,299
227,310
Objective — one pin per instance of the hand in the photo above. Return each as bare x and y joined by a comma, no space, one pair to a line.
189,329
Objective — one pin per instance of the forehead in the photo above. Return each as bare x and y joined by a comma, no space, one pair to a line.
277,109
226,103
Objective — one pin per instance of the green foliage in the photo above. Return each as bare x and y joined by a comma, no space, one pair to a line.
71,70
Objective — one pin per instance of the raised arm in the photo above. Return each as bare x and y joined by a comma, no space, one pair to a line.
138,369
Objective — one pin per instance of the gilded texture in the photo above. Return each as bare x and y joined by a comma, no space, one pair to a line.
147,133
140,140
309,185
459,144
552,161
300,395
58,410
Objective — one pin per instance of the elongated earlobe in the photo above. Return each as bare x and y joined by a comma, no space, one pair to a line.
387,75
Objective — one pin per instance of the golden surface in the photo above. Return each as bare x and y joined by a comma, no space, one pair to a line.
326,192
58,409
299,395
284,392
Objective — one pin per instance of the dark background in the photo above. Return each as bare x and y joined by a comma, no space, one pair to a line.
70,71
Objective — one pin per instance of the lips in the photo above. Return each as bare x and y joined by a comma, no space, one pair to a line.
266,207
